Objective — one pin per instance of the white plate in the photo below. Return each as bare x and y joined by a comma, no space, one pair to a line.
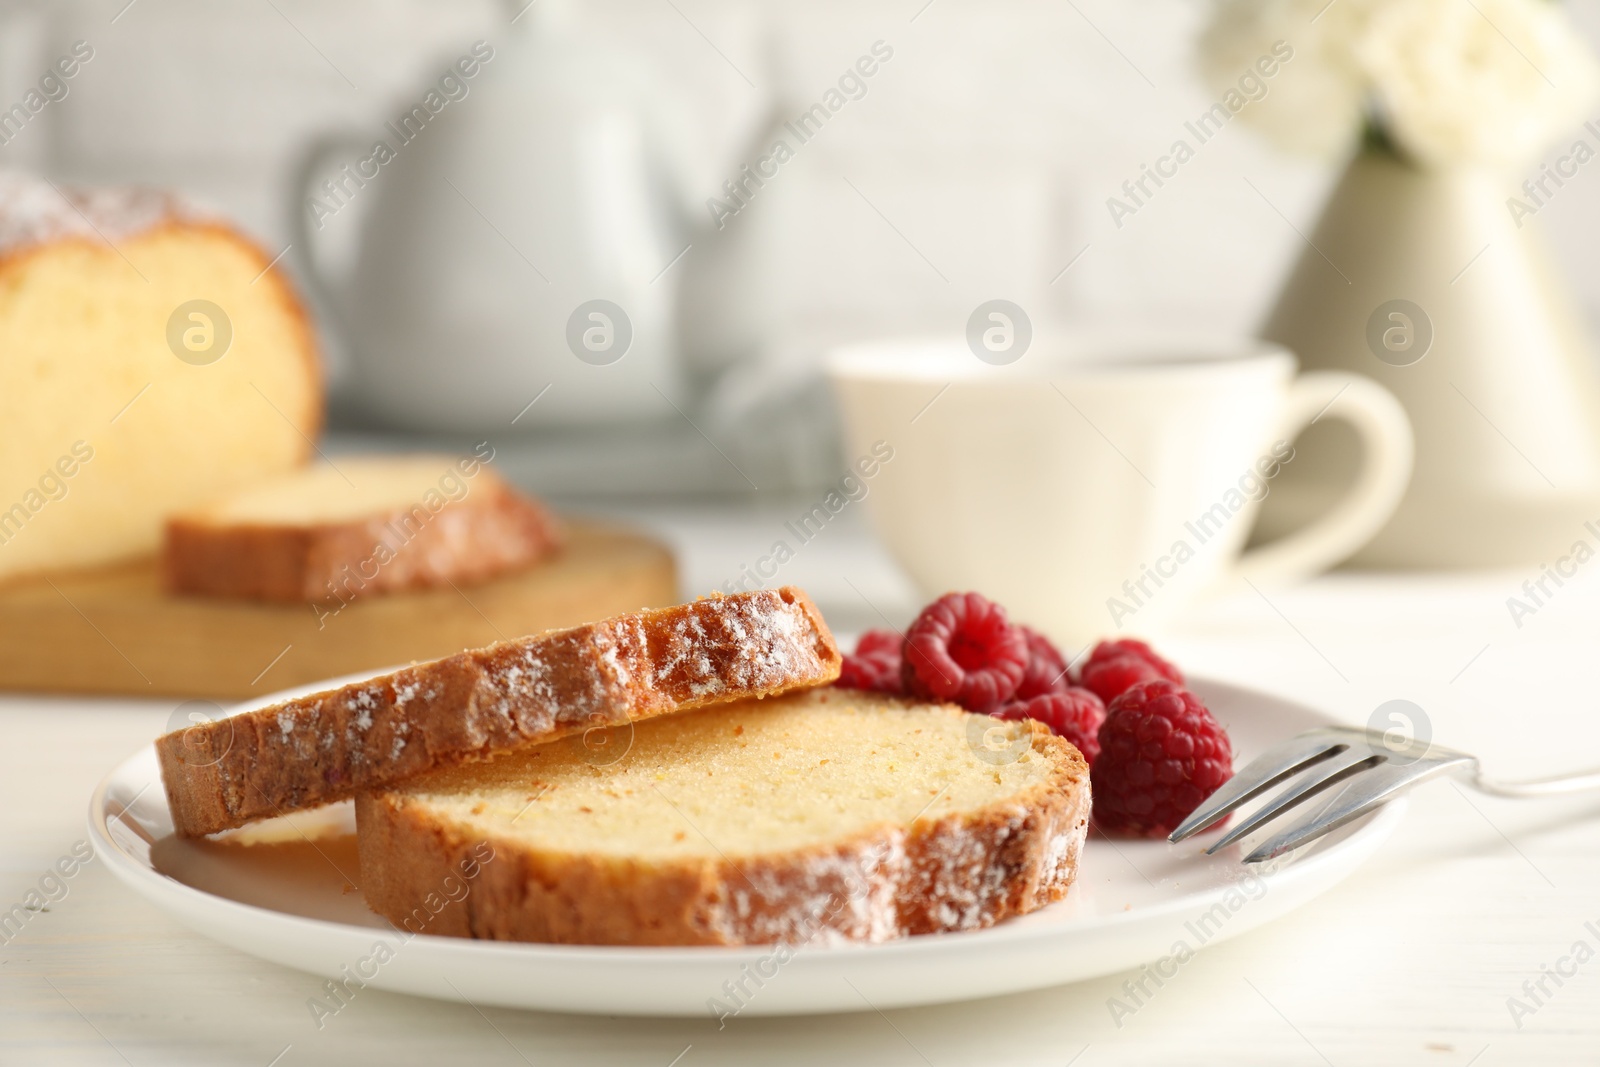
1134,902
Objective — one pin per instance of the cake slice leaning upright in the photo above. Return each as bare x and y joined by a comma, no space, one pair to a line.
327,747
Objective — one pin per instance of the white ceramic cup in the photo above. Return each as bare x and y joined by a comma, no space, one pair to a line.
1100,484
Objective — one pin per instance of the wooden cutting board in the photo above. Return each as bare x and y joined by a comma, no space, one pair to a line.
116,631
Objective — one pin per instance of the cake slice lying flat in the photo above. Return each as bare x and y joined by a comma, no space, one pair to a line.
827,814
318,749
366,525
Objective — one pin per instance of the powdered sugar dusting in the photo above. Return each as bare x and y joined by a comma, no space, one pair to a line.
365,700
776,643
1055,850
401,729
32,211
756,642
530,690
526,698
613,663
527,678
846,894
685,653
904,882
963,877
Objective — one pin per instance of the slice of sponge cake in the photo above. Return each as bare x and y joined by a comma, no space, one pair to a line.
357,527
826,814
150,358
329,746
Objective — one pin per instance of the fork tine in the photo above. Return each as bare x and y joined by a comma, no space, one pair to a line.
1259,775
1323,775
1361,796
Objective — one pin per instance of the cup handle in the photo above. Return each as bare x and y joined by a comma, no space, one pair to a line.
1387,452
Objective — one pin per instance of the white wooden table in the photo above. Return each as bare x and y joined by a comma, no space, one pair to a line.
1413,960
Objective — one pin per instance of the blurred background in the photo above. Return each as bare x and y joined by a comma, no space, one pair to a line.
975,161
977,164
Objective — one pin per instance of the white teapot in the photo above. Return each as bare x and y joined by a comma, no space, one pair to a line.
513,259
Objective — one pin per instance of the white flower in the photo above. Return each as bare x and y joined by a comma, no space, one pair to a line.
1315,102
1450,81
1490,81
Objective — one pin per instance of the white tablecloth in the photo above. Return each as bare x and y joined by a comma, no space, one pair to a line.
1413,960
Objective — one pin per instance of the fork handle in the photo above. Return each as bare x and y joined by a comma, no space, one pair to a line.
1538,787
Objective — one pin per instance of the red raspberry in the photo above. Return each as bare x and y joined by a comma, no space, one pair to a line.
875,665
879,641
1047,668
1075,714
1128,646
1114,667
877,672
1110,678
962,649
1161,754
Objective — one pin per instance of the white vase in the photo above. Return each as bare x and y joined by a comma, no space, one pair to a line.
1504,395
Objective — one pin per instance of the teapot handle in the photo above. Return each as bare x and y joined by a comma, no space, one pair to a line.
308,167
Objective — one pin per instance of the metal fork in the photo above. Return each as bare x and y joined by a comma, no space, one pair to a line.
1373,766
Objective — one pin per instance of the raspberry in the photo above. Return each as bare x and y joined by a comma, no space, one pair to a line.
879,641
1047,668
1116,666
875,664
1110,678
1140,650
962,649
1161,754
875,671
1128,646
1075,714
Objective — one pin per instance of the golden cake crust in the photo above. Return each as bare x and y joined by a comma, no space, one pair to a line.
329,746
494,530
957,871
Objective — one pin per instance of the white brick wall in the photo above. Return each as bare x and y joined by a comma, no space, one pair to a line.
214,97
